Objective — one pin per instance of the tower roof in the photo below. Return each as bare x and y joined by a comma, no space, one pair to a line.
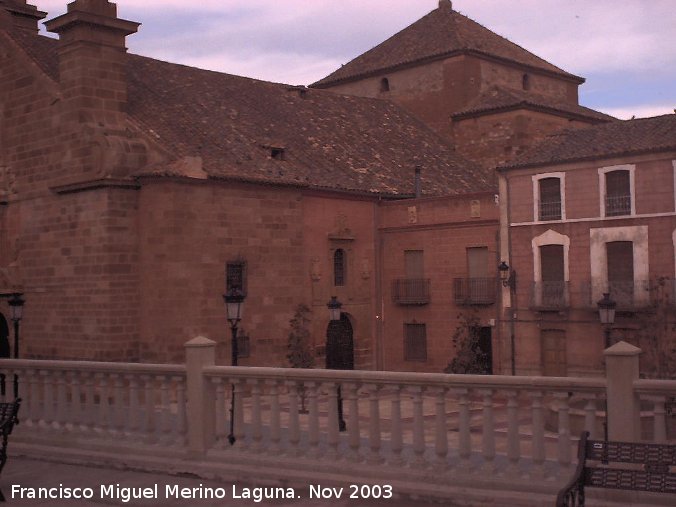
440,34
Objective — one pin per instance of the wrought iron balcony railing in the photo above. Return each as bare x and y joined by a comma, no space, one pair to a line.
550,295
411,291
618,205
550,210
475,291
629,295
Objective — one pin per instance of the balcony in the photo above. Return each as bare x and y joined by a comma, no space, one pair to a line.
474,291
411,291
629,295
550,210
550,295
617,205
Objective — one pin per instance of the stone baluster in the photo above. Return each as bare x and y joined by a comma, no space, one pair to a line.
61,397
418,427
275,413
441,430
104,419
165,413
294,423
659,419
513,438
464,435
240,434
256,422
564,442
90,402
33,418
353,430
119,419
396,437
75,415
181,416
220,413
332,423
149,405
48,400
133,421
374,425
488,431
313,418
590,416
538,471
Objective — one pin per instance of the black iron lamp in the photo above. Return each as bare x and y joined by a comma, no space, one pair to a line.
607,314
508,279
16,303
507,275
334,307
234,306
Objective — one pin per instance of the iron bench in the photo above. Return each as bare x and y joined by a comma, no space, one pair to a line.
619,465
8,418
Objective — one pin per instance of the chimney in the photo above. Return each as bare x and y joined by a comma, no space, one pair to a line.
19,14
418,183
446,5
92,61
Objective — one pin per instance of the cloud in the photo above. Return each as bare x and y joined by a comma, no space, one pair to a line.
639,111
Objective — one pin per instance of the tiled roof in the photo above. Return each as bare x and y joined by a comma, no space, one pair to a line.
619,138
501,99
442,32
330,141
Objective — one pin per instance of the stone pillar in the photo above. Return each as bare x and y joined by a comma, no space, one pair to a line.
20,14
200,353
624,416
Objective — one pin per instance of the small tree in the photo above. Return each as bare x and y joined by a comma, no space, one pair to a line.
469,358
300,352
657,333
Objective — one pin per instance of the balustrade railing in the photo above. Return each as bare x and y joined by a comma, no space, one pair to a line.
517,430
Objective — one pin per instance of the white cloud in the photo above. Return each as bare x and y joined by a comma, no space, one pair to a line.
640,111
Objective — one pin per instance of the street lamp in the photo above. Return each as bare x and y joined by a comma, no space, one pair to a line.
16,303
607,315
234,303
334,307
508,278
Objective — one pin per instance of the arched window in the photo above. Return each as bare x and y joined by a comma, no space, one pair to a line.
384,85
339,267
525,82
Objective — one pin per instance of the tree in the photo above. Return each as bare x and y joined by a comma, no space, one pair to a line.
657,332
300,351
469,358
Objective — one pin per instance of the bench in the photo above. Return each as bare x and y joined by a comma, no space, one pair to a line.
8,418
619,465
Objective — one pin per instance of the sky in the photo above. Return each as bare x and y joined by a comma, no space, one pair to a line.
626,49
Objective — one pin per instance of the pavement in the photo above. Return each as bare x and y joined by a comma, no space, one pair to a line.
25,480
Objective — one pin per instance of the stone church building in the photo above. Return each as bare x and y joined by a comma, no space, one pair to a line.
132,188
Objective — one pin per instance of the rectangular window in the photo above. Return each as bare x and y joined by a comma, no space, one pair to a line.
413,264
618,193
415,342
550,199
551,291
235,272
621,271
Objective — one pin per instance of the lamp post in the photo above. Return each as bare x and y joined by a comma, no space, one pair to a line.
607,315
234,302
508,278
16,303
334,307
607,318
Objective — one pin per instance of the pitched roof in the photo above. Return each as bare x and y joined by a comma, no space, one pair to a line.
441,33
619,138
498,99
329,141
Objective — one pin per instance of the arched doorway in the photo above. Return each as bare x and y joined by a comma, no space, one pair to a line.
340,344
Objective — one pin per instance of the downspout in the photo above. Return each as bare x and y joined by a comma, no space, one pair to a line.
379,306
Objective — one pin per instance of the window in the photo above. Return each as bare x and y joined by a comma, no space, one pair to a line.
620,258
384,85
616,186
243,344
549,196
235,272
413,264
550,199
525,82
277,153
551,291
415,342
618,193
339,267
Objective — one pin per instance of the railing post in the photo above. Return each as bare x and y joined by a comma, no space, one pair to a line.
623,412
200,352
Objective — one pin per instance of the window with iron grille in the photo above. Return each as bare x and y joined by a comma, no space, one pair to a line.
550,199
235,272
243,344
618,193
339,267
415,342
